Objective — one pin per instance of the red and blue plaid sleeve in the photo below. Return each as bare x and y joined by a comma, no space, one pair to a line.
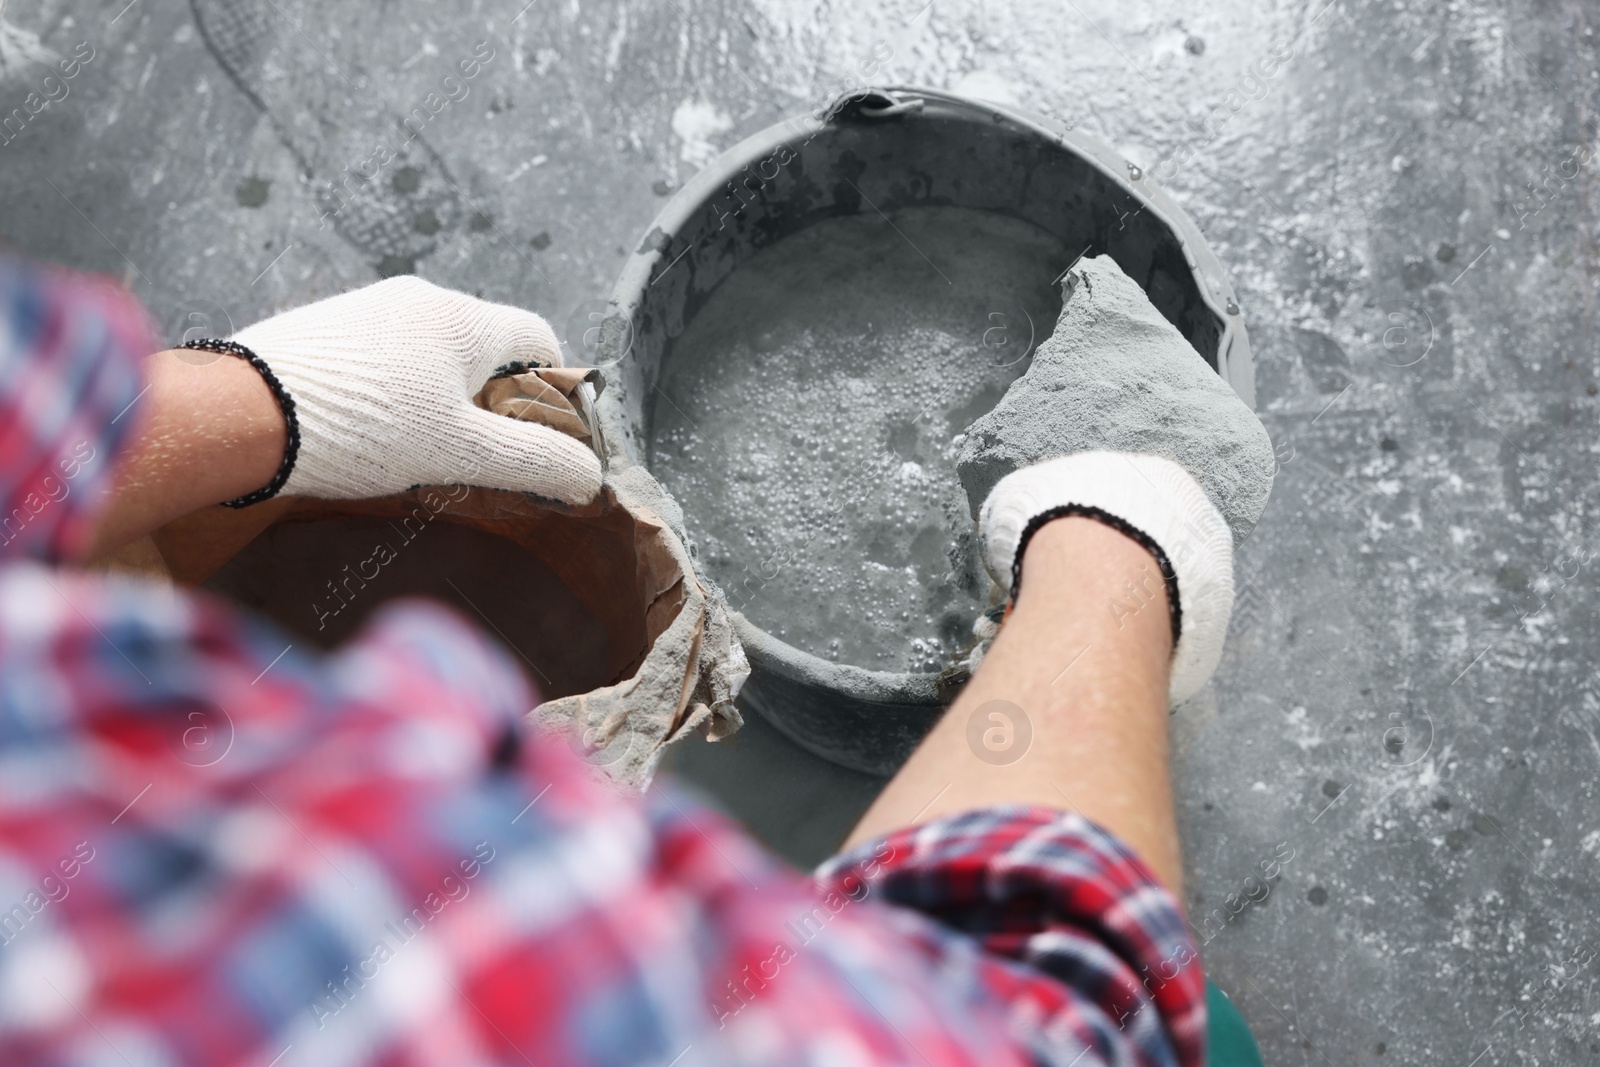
217,848
1102,962
69,350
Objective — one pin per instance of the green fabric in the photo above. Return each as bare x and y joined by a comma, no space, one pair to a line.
1227,1037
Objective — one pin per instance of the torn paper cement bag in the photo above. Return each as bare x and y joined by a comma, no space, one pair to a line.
670,648
694,665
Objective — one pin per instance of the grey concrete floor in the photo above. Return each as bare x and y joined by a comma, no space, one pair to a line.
1406,704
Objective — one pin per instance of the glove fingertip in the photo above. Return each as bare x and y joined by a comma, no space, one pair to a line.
530,457
525,337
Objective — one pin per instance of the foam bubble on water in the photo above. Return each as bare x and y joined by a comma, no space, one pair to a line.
809,421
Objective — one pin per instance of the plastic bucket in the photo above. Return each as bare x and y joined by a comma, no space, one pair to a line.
887,149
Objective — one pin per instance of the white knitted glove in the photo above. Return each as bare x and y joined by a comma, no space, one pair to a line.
1158,503
382,380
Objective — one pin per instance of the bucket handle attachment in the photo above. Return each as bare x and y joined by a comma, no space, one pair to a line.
872,104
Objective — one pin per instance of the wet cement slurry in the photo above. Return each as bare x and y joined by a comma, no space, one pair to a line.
1404,193
814,410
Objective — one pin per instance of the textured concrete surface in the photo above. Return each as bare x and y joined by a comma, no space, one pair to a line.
1408,705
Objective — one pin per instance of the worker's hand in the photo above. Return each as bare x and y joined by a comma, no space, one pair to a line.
1117,375
1120,419
1156,503
382,379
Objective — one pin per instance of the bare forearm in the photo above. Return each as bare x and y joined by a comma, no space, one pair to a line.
207,429
1089,683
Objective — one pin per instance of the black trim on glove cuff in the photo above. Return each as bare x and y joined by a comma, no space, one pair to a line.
1122,526
291,449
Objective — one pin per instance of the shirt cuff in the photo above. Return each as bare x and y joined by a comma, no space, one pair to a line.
1057,894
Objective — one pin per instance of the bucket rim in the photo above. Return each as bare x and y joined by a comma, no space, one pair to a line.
1234,363
772,653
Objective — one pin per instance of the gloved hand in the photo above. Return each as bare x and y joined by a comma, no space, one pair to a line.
1117,375
1191,460
1152,500
382,379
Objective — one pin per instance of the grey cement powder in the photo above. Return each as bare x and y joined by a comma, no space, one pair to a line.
808,423
1117,375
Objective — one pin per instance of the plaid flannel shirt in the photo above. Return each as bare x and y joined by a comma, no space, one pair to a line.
216,848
